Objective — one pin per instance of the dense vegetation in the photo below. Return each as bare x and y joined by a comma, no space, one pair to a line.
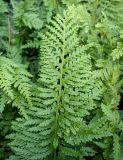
61,79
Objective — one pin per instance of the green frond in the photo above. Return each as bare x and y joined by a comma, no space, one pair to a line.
3,7
73,113
14,77
117,53
64,99
116,148
6,77
3,100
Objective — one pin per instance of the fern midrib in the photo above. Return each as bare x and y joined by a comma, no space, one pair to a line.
60,88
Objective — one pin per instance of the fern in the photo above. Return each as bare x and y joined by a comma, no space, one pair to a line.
117,53
66,118
7,116
116,148
71,111
6,79
23,15
51,4
13,77
3,101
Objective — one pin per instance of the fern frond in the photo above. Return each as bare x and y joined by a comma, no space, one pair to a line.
23,16
112,116
118,52
116,148
21,82
3,7
65,96
3,100
6,77
69,112
14,80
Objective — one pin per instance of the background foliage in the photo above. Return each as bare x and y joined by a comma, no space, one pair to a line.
61,79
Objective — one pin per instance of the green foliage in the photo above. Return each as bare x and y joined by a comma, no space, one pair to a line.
60,79
8,115
66,119
25,14
116,146
14,80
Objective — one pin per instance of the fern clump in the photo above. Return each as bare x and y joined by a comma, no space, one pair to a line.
70,117
61,79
